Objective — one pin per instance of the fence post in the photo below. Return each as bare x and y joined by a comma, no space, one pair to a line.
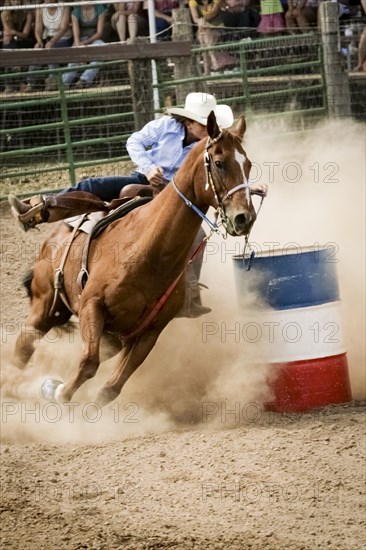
336,79
141,89
183,66
67,131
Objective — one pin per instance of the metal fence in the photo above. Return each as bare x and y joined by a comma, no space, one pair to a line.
271,76
64,131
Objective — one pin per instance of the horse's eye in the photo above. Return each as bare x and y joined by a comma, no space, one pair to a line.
219,164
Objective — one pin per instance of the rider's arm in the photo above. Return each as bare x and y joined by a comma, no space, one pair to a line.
151,136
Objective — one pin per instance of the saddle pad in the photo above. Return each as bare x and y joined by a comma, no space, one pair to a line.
90,220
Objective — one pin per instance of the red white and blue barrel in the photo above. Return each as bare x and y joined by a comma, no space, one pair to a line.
298,319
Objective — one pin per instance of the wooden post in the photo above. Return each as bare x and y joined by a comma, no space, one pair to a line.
139,71
336,79
183,67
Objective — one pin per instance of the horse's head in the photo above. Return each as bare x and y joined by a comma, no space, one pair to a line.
227,170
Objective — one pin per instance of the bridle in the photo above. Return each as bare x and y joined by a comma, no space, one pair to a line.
207,161
220,209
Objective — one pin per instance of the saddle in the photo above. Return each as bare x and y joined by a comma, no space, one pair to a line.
93,225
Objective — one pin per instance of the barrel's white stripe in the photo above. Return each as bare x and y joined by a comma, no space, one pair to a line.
278,336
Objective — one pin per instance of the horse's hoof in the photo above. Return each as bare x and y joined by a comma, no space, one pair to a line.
49,387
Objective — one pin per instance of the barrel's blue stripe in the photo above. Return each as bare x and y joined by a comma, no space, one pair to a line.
290,281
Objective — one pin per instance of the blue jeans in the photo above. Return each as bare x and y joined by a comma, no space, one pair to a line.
89,75
107,188
162,27
62,43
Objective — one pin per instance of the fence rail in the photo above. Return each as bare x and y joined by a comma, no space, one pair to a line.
67,130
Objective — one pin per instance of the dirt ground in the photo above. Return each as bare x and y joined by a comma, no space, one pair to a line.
187,458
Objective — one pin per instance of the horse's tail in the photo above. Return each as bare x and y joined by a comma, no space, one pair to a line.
27,282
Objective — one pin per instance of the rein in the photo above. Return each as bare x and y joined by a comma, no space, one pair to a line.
213,226
140,326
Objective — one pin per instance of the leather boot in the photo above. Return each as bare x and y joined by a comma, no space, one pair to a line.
28,213
53,208
196,307
192,306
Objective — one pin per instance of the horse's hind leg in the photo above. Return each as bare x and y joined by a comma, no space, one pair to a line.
37,325
91,329
26,344
132,355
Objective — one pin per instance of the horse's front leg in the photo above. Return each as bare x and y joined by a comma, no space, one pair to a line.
91,330
132,356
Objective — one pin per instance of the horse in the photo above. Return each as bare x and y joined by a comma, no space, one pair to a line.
135,285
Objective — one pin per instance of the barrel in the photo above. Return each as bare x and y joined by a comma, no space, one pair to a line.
292,299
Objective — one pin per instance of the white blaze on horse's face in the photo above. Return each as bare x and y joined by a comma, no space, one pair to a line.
241,159
239,210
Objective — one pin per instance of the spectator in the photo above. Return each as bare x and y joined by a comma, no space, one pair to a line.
163,17
52,30
237,14
208,17
1,33
272,20
301,14
361,66
126,18
348,9
87,27
17,32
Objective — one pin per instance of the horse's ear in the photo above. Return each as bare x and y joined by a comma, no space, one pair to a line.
212,128
240,127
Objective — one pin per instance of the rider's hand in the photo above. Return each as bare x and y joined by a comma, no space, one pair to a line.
260,189
155,176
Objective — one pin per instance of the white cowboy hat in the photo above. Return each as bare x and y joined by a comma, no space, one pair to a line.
199,105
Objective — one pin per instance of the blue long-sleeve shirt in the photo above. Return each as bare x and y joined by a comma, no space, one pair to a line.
159,143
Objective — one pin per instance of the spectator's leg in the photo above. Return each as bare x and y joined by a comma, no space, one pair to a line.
89,75
50,82
219,60
201,34
69,77
132,22
31,78
362,52
119,23
304,18
161,26
291,23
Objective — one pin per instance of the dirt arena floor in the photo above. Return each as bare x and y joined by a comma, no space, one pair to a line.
188,457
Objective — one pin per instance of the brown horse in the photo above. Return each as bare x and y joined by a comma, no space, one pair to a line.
135,260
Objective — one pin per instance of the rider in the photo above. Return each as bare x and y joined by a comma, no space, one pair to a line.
158,150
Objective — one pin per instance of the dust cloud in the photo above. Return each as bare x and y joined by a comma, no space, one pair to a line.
317,195
202,373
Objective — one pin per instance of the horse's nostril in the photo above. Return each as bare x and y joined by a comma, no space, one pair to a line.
240,220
